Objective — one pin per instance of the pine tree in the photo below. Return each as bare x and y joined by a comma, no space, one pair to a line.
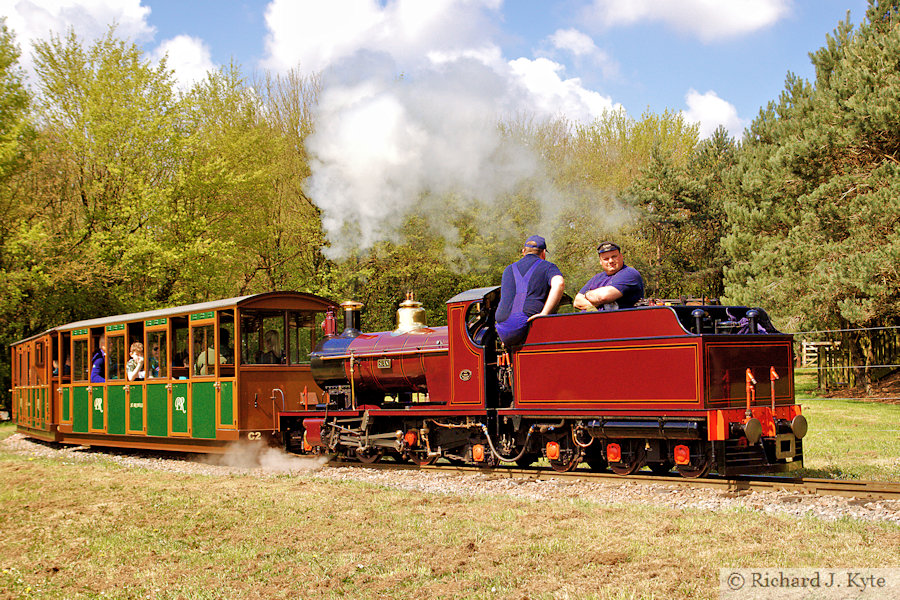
815,196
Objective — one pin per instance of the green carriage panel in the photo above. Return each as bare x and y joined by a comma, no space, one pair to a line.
203,410
179,408
226,413
66,409
115,403
157,409
136,409
98,408
81,409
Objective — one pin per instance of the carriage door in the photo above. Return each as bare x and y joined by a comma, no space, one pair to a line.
205,359
81,380
116,382
64,368
156,413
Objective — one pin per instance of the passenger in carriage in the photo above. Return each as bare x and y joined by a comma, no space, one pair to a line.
530,287
98,360
618,286
226,352
154,359
134,370
272,355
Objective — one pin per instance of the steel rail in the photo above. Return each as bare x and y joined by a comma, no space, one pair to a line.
869,490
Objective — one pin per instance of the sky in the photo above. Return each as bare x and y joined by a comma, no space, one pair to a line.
716,61
412,89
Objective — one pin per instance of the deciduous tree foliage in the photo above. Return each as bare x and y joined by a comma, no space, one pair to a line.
15,138
677,236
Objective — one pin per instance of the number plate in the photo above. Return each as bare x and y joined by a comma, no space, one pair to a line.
384,363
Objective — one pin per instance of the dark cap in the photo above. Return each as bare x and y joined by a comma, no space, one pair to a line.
607,247
536,241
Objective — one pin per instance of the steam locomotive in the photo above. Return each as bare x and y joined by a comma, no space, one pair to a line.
657,386
667,387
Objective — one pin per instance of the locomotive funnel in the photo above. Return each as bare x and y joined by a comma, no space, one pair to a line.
352,310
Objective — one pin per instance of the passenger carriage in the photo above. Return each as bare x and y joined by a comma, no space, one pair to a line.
205,382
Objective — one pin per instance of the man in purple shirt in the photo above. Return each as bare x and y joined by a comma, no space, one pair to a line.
618,286
531,287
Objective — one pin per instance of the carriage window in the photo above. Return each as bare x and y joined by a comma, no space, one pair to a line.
81,361
115,357
226,337
302,330
181,358
263,338
39,371
158,356
205,356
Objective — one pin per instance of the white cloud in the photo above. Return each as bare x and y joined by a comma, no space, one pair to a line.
188,56
710,111
583,48
574,41
551,95
33,20
709,20
311,34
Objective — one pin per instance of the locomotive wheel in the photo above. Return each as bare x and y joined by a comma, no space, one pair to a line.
700,471
421,459
632,465
563,466
369,456
661,468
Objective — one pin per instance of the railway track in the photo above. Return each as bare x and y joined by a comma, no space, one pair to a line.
868,490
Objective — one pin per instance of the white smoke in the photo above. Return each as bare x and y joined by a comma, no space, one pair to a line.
256,455
385,144
413,94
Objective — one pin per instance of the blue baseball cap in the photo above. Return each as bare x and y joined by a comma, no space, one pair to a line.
536,241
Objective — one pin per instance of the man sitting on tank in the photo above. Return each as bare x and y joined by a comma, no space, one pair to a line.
618,286
529,288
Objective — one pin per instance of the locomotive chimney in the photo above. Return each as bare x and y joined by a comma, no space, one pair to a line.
352,310
410,315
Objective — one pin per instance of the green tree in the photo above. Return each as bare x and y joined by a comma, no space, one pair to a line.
816,192
111,125
15,145
681,221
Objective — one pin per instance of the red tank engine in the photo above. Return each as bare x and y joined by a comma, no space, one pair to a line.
684,387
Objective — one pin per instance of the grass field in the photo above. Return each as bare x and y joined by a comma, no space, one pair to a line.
101,530
849,439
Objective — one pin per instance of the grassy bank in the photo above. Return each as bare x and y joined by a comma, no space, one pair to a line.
849,439
99,529
92,530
